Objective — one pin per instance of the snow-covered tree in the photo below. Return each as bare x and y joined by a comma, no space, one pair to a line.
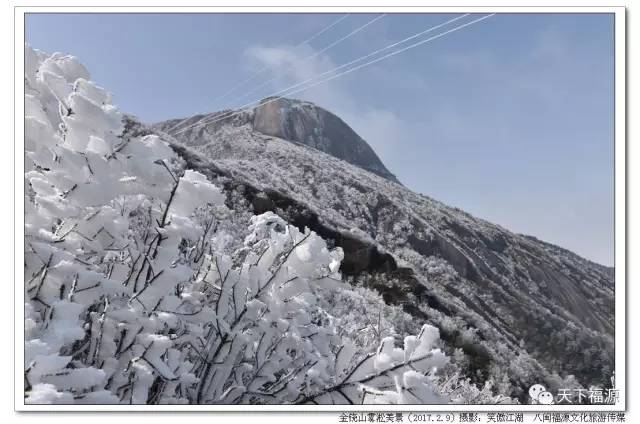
110,233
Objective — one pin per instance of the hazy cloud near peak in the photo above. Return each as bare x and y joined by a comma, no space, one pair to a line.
289,66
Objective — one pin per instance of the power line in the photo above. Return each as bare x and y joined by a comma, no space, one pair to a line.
254,75
298,45
278,95
314,55
411,46
325,29
226,114
380,50
287,92
351,34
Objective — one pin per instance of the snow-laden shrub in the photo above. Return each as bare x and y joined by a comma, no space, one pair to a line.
110,233
363,317
132,297
460,390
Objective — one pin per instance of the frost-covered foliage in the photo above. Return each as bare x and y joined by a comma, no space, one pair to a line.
132,296
364,318
111,237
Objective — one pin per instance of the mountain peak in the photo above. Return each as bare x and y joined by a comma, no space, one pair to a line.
311,125
293,120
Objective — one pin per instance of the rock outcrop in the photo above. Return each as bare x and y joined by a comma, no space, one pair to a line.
299,122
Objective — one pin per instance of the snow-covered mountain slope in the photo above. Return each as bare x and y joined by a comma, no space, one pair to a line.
520,310
292,120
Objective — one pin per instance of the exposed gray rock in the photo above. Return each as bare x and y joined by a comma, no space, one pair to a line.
296,121
313,126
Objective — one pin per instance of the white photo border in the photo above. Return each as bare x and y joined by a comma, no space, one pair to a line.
619,206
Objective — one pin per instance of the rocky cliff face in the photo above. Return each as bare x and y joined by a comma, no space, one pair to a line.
521,311
304,123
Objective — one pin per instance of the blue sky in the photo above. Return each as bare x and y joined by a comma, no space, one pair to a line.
510,119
